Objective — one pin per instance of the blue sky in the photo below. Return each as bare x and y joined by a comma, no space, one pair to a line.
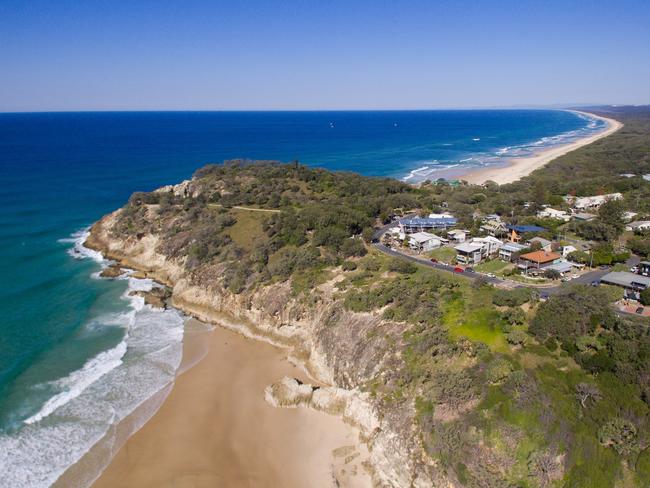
328,54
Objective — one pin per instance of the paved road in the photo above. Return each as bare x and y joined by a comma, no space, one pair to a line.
586,278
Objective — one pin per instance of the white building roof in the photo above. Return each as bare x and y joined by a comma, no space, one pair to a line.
563,267
422,237
541,240
487,239
513,247
639,224
468,247
444,215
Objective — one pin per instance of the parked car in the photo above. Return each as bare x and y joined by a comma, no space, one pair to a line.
491,275
458,270
640,310
469,270
595,283
433,260
634,269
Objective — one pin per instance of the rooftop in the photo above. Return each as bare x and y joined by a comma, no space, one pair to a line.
421,237
426,221
540,257
630,280
468,247
563,267
541,240
513,247
525,228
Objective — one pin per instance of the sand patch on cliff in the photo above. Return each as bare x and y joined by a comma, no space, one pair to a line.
216,429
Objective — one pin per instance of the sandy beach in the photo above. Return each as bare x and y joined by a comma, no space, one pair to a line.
519,167
216,430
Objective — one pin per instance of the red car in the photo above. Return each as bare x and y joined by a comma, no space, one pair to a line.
458,270
434,260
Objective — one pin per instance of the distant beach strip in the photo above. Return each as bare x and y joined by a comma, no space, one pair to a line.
510,163
517,168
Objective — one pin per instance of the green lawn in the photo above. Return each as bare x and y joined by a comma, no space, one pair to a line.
478,322
495,266
443,254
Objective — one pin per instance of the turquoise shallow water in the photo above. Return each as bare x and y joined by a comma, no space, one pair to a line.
76,353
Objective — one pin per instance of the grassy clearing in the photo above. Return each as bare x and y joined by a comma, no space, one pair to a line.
495,266
476,319
248,228
443,254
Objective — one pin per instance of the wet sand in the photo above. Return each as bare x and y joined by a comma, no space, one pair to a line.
216,430
517,168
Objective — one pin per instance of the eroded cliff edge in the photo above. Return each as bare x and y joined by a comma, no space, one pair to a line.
339,348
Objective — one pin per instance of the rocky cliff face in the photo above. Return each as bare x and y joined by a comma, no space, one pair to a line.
343,351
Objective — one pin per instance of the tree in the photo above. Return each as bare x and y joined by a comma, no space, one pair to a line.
499,370
552,274
645,297
611,213
586,392
517,337
620,434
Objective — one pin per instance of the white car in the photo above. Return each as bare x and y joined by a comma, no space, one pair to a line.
634,270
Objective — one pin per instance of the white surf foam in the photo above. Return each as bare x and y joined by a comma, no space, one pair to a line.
76,382
95,398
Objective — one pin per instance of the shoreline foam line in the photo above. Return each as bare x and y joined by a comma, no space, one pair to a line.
517,168
94,399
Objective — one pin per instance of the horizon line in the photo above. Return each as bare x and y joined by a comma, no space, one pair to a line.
509,107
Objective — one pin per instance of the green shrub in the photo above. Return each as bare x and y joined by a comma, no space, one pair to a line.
401,266
511,298
517,337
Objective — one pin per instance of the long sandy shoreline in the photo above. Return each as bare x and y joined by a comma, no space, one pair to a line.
518,168
216,430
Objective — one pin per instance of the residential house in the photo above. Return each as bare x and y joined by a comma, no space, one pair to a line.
469,253
638,225
544,244
551,213
524,229
633,283
424,241
628,216
593,202
396,233
421,224
562,267
566,250
458,235
584,216
538,260
494,228
491,245
509,249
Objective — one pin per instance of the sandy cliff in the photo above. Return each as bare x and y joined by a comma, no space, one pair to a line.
341,350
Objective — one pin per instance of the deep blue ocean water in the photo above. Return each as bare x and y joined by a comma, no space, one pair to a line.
77,354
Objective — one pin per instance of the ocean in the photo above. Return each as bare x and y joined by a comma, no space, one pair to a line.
79,353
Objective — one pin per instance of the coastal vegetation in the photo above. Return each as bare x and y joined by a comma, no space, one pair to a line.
502,388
